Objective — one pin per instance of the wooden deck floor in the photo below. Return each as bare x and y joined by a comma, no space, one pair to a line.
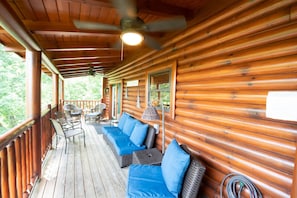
90,171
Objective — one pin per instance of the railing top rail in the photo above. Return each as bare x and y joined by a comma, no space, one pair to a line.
7,137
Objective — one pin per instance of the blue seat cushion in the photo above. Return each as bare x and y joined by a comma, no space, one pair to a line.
146,181
124,146
129,125
110,129
174,165
123,120
117,136
139,133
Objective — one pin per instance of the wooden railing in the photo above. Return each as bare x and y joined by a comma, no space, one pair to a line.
83,104
19,169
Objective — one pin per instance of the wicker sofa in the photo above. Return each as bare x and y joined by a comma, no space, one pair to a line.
130,135
179,175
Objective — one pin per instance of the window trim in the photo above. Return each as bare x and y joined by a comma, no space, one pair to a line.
172,78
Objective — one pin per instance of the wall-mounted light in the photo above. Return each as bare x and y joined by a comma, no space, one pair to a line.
106,90
131,38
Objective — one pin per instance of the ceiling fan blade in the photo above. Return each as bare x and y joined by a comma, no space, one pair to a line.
151,42
94,26
174,23
126,8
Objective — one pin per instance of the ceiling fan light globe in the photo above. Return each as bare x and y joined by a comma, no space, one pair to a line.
132,38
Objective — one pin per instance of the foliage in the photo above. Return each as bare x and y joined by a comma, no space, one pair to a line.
83,88
12,90
46,90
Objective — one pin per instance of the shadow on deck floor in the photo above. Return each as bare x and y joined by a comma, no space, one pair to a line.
90,171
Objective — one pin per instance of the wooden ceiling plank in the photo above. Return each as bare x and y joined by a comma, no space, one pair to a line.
74,10
163,9
63,11
23,9
99,3
51,10
85,12
39,10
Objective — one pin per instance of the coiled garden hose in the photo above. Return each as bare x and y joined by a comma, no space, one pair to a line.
243,182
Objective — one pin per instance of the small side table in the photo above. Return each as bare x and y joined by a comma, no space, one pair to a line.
148,156
114,122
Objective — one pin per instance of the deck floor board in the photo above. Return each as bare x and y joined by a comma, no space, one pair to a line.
90,171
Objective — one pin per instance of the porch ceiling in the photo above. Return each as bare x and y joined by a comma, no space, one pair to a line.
50,24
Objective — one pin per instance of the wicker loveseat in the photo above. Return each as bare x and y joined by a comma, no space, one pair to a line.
179,175
130,135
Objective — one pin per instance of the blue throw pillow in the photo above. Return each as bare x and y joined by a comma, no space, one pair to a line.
123,120
138,134
174,165
129,125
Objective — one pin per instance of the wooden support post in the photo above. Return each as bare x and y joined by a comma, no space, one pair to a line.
11,161
55,89
4,173
33,103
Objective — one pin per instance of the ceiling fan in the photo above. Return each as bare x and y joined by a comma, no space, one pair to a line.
91,71
132,27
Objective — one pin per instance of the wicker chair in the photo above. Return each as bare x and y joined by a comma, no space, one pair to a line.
96,113
193,176
192,179
72,110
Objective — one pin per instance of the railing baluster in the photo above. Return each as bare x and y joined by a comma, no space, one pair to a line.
11,170
18,166
24,160
4,173
30,154
28,160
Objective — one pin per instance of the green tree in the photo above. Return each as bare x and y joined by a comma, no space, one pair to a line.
46,90
12,90
83,88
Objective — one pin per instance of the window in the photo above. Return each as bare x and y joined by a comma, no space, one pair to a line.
161,88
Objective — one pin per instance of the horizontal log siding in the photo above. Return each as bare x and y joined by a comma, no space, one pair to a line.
226,66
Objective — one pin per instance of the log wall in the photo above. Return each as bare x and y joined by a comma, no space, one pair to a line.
226,65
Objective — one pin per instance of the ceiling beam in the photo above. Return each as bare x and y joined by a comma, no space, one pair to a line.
36,26
84,58
75,33
101,53
103,60
14,49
